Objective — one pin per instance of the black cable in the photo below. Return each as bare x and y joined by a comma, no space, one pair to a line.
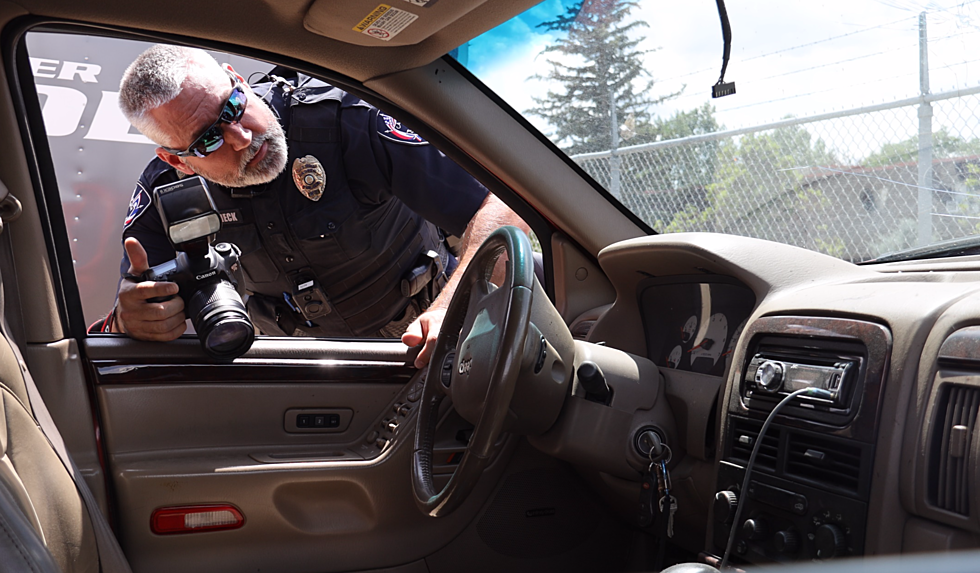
815,392
721,88
726,34
823,40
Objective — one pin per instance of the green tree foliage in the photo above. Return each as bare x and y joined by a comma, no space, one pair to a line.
944,145
759,191
657,184
683,166
601,71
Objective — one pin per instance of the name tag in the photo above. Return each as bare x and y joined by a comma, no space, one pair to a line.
233,216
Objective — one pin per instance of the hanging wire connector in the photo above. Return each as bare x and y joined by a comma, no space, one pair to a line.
721,87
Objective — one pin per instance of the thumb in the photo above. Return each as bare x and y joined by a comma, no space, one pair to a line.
413,335
138,263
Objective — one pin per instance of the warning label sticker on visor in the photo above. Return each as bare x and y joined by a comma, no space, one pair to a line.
385,22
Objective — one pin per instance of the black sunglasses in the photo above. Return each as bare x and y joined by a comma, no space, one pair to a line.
213,137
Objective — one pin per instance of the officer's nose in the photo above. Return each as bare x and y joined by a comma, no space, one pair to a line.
237,136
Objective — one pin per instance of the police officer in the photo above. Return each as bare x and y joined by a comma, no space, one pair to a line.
329,199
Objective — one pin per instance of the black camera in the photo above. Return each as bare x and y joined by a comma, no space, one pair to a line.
209,277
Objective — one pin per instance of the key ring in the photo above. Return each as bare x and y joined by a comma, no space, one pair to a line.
664,456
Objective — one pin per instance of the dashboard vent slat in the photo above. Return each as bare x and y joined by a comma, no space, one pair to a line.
744,435
956,418
828,462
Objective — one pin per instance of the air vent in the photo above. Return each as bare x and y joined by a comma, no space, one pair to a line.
743,437
825,462
955,419
581,330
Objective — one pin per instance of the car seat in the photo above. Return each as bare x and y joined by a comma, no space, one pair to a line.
37,489
48,523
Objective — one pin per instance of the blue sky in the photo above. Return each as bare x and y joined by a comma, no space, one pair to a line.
508,41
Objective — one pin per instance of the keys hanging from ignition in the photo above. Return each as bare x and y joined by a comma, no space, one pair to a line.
654,485
647,507
663,478
670,517
667,504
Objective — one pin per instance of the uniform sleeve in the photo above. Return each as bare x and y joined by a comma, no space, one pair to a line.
143,221
383,159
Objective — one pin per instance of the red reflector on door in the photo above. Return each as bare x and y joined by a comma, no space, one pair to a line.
194,518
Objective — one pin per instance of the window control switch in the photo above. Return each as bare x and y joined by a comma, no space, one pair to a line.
303,420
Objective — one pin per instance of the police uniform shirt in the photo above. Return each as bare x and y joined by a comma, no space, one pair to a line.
375,169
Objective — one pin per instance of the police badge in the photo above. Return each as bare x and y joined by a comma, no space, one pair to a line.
309,177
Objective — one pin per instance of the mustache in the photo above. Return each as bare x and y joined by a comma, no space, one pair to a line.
253,148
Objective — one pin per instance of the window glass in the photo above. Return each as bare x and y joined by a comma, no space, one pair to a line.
97,154
853,130
314,248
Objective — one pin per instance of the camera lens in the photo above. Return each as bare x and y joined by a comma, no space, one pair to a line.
221,321
228,336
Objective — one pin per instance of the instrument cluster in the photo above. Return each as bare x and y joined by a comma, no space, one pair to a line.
694,324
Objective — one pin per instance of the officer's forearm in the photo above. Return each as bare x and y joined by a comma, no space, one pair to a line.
491,215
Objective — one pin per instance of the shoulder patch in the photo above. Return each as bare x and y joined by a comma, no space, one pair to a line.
137,205
392,129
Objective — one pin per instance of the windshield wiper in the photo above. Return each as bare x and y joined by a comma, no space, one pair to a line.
950,248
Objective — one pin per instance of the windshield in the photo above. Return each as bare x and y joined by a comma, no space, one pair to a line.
853,130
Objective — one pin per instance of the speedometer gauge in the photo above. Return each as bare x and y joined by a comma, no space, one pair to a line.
687,333
712,344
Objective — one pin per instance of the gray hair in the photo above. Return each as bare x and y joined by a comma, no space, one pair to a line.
155,78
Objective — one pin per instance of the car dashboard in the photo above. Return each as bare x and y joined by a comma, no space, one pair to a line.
882,463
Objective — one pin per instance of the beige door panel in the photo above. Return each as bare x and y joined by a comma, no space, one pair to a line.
239,415
315,516
187,432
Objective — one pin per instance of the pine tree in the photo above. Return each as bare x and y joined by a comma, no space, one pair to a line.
605,87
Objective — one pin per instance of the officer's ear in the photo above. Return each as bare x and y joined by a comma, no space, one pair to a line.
174,161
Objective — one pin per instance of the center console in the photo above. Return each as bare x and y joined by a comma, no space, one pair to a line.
809,487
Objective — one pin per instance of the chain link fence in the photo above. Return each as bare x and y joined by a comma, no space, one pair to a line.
853,184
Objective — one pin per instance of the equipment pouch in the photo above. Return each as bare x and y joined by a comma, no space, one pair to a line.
429,267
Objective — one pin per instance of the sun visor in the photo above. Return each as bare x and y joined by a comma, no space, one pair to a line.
392,23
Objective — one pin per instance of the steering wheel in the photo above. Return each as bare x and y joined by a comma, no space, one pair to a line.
476,363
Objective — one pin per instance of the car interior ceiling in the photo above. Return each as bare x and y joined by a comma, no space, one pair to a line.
855,469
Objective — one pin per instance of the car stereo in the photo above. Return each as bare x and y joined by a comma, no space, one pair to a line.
810,485
771,375
781,365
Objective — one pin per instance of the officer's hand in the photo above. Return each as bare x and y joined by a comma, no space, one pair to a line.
424,329
161,321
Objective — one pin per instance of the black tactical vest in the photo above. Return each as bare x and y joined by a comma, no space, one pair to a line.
358,252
